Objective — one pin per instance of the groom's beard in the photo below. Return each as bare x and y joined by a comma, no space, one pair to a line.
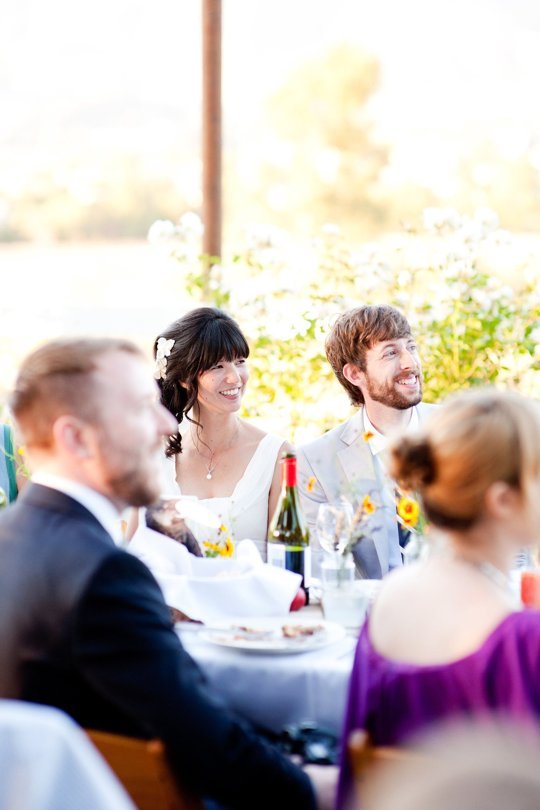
394,396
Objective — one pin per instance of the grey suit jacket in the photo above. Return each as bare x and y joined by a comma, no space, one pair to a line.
341,463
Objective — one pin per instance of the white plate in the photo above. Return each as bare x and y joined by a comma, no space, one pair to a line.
268,638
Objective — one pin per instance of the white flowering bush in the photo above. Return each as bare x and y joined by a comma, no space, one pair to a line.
470,293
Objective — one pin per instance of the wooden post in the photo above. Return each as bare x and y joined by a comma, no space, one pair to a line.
211,126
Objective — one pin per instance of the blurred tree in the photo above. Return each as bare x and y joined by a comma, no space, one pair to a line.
323,163
117,202
511,186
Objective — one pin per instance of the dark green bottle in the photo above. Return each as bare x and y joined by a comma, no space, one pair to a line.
288,535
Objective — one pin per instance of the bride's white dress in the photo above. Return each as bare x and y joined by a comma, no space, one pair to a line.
245,512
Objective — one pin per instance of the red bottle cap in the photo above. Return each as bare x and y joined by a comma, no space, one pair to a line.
289,471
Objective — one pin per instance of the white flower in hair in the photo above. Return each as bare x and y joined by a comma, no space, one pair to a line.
163,350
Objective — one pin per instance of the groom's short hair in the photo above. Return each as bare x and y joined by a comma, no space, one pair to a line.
358,330
57,378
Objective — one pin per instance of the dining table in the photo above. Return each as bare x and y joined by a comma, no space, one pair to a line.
276,688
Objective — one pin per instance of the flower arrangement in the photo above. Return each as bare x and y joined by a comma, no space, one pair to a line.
360,521
340,528
17,465
410,514
411,517
21,462
223,546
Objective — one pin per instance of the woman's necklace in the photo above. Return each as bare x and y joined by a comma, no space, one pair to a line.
211,464
490,571
494,574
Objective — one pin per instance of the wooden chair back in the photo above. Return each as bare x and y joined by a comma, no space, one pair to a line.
143,769
366,759
364,756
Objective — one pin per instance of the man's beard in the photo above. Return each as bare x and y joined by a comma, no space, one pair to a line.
392,397
135,485
133,488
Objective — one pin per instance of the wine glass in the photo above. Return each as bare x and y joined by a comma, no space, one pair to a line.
333,526
333,529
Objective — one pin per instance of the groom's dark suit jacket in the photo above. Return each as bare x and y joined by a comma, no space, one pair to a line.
83,626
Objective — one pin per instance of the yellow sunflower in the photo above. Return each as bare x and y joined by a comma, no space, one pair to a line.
409,511
227,548
368,506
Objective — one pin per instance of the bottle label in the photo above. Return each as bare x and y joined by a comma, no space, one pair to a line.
292,558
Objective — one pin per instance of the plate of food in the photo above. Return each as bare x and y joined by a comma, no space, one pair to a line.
273,636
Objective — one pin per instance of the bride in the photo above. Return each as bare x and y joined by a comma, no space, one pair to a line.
229,464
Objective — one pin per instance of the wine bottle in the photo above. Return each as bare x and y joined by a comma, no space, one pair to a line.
288,536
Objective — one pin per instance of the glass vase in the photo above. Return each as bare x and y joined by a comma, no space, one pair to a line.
344,599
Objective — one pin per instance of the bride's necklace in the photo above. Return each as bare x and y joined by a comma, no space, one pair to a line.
210,463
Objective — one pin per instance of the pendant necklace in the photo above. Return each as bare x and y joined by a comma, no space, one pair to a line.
494,574
490,571
211,465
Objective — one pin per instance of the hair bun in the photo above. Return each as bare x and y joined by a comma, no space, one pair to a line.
413,463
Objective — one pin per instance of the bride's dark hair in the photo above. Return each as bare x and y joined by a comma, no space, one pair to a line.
202,338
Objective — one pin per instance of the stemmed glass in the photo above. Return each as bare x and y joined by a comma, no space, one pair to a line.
333,528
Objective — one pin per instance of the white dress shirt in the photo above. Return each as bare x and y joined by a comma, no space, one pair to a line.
380,441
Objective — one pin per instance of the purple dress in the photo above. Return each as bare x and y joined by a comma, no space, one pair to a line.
393,700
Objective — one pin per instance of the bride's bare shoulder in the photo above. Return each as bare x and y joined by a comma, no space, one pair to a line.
250,432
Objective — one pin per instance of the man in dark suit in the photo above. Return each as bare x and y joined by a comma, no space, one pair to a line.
83,624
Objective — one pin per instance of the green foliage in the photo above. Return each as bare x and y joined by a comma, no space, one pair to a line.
473,328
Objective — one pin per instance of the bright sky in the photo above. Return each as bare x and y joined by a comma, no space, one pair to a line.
125,74
134,66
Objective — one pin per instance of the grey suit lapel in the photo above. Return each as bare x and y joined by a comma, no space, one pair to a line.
354,454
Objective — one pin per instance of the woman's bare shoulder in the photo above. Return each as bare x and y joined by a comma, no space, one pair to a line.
396,588
254,434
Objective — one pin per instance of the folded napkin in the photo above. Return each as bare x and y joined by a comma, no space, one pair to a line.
217,588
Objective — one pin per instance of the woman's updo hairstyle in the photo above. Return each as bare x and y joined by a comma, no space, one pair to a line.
202,338
471,441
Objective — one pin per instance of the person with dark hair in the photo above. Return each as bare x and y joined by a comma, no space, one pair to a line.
375,358
231,465
83,624
445,639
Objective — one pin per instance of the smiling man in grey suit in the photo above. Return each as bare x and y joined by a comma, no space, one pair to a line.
374,356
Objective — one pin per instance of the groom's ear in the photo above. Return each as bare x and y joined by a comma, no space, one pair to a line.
354,375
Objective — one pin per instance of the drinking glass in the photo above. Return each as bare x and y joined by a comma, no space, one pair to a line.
333,526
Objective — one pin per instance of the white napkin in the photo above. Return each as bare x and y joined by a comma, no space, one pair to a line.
160,553
217,588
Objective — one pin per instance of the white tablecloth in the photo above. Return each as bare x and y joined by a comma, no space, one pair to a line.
276,690
48,763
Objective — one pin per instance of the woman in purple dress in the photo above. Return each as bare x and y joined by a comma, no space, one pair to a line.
445,637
